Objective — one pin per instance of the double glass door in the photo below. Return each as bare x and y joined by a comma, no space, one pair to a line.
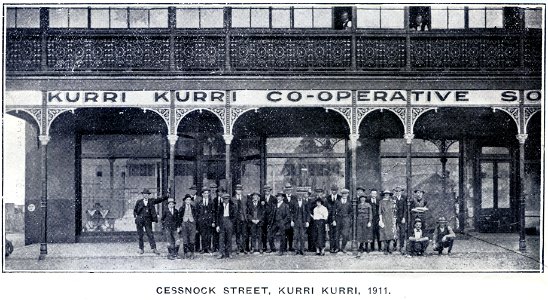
496,212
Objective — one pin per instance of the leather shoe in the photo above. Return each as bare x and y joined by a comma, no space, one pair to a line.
155,252
141,251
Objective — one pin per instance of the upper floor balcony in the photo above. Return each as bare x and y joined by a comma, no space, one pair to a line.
323,40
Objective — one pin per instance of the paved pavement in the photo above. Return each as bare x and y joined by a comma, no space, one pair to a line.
472,252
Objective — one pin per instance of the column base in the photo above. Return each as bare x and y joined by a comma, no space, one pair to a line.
522,246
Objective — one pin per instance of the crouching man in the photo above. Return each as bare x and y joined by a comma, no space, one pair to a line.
443,236
417,241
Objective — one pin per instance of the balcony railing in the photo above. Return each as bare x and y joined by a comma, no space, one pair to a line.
225,52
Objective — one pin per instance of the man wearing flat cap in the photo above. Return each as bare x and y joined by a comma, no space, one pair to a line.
226,216
206,220
333,203
269,201
443,236
344,220
401,215
145,214
255,216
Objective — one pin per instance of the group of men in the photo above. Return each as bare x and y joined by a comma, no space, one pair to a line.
287,221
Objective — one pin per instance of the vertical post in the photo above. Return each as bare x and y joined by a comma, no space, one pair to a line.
353,147
44,139
172,139
408,173
171,16
353,43
111,178
263,164
443,161
227,14
521,138
407,40
44,25
228,175
463,191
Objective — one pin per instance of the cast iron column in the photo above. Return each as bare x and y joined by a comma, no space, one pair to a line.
44,139
228,175
353,147
408,184
521,138
172,139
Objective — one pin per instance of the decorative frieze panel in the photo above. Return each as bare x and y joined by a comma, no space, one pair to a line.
300,52
470,53
108,53
23,52
199,53
380,53
532,54
528,113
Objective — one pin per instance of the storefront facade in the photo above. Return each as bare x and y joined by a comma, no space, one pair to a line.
455,111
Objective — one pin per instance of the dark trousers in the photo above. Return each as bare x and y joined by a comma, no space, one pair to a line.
289,234
311,236
299,232
188,232
171,236
376,235
447,244
271,236
225,236
147,226
205,233
256,231
282,235
344,231
401,234
242,235
264,236
417,247
215,237
333,237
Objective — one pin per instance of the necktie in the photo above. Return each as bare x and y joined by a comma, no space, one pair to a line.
171,210
205,202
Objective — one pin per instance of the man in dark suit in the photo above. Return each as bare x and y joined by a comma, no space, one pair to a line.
344,220
288,197
269,203
242,236
333,203
401,215
217,202
255,217
145,213
188,215
206,220
226,216
374,200
281,222
170,223
299,221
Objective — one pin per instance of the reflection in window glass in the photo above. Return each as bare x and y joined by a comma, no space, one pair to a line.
184,179
281,18
241,17
58,17
260,18
495,150
250,176
304,145
78,18
493,18
322,18
28,18
158,18
487,185
211,18
138,18
533,18
100,18
392,18
302,18
503,185
118,18
368,18
11,16
188,18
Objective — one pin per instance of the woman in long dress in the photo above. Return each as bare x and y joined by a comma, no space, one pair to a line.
364,231
386,220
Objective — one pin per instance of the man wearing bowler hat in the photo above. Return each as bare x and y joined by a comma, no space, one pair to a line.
288,197
281,222
145,214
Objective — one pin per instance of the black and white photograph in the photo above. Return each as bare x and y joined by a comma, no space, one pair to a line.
356,146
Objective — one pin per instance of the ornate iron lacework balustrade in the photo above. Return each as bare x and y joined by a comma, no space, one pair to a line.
380,53
464,53
23,52
282,53
532,53
108,53
199,53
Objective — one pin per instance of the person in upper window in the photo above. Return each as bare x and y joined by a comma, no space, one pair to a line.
420,23
346,23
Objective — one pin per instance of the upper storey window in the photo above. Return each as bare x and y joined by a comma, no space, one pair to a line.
68,17
533,18
387,17
108,17
23,18
312,18
251,18
200,18
443,17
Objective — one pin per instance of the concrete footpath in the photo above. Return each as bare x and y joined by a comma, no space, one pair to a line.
472,252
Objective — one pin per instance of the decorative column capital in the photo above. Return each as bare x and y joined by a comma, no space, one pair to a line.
354,139
522,137
228,138
409,138
44,139
172,138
